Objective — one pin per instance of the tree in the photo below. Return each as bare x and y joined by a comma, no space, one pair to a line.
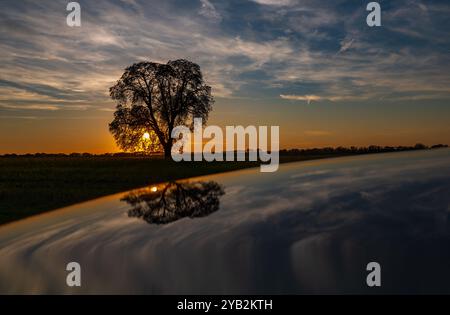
152,99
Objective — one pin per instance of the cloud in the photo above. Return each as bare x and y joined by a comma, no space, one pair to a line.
307,98
332,98
346,44
31,107
275,2
209,11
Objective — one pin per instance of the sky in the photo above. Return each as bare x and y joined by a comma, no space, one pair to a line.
314,68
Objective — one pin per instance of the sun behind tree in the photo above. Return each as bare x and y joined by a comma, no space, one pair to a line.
152,99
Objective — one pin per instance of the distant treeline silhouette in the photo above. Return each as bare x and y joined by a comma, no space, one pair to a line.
358,150
285,152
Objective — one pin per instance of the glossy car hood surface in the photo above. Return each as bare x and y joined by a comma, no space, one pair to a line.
311,227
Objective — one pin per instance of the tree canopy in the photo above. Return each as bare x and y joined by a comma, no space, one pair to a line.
152,99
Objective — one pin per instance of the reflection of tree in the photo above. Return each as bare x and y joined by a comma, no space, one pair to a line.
169,202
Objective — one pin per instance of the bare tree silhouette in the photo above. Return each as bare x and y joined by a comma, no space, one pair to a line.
154,98
169,202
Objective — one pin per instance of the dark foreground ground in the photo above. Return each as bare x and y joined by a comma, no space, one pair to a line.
32,185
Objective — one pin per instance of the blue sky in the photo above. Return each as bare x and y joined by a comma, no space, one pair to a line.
310,65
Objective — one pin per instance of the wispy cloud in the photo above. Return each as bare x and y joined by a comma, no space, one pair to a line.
316,98
307,98
346,44
275,2
209,10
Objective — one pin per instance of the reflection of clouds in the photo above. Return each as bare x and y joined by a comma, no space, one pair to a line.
310,174
310,228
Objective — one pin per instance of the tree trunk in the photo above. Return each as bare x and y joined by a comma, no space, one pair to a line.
167,151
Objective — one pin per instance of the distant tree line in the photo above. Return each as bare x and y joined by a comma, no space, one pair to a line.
291,152
358,150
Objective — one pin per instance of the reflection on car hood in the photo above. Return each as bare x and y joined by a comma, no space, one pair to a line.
311,227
